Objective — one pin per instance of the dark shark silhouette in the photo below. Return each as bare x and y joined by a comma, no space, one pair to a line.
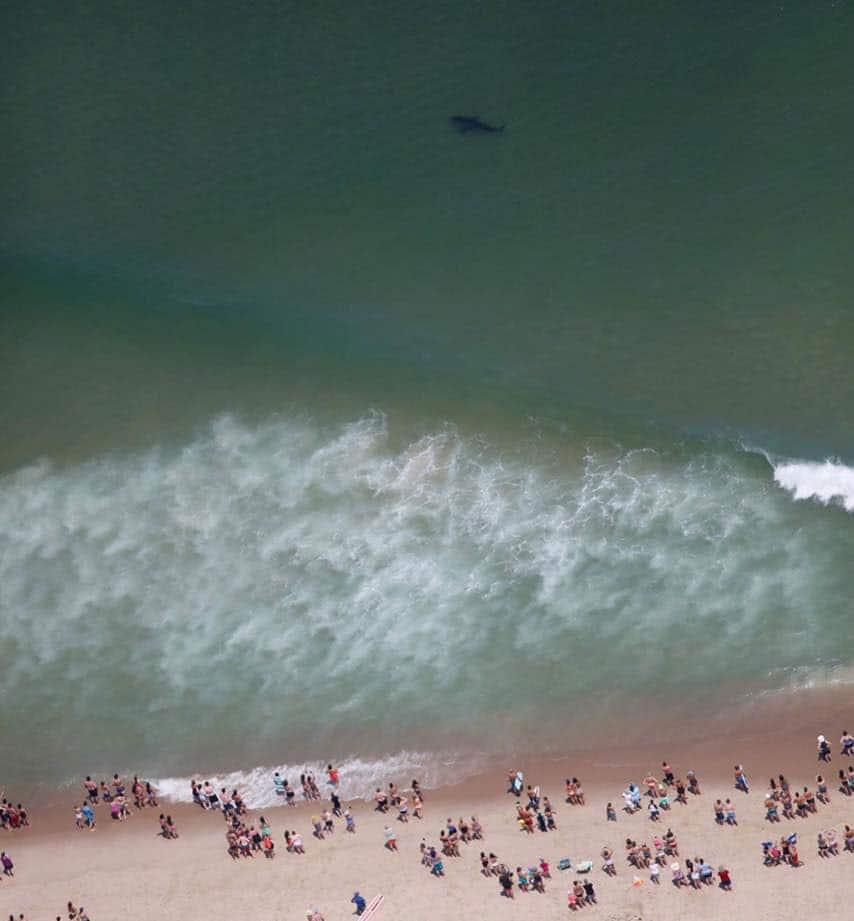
466,123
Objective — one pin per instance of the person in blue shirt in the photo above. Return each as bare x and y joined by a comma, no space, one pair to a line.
89,815
359,902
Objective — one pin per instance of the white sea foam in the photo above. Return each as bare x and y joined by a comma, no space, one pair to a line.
326,590
829,482
359,777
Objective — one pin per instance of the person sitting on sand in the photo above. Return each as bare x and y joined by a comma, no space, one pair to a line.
809,799
724,878
693,783
821,793
6,863
771,814
296,842
359,902
832,844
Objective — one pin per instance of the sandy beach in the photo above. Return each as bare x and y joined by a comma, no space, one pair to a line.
124,870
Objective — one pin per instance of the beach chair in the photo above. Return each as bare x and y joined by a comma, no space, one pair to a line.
564,863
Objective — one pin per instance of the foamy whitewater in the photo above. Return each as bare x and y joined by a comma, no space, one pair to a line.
830,481
292,592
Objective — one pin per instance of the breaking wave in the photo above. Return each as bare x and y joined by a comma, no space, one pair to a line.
293,592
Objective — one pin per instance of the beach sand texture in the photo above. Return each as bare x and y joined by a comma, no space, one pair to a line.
125,871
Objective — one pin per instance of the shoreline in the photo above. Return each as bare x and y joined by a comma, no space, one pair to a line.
124,870
760,720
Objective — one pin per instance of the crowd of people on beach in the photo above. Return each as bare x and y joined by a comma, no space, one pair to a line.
656,795
697,873
114,796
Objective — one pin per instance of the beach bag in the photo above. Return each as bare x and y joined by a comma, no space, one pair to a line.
564,863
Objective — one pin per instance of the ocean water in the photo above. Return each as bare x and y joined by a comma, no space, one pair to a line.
329,433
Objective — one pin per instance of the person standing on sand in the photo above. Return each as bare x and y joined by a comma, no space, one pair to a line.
847,744
741,779
8,866
823,749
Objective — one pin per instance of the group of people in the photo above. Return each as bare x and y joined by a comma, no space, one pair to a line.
115,797
538,811
413,804
205,796
527,879
465,830
249,840
846,747
780,800
13,817
658,792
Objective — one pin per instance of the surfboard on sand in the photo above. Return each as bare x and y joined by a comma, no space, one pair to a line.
373,907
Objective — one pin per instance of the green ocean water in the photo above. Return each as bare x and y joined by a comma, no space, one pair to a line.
266,318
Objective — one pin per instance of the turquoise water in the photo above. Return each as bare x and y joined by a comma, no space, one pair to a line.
329,432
